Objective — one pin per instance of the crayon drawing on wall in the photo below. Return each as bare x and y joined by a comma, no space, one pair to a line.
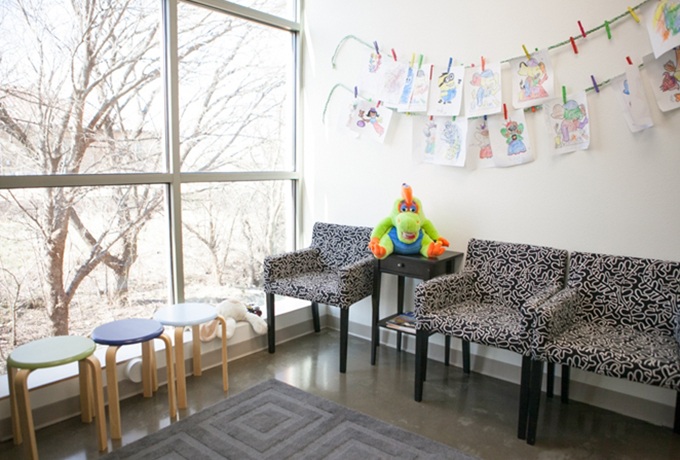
479,144
634,106
440,140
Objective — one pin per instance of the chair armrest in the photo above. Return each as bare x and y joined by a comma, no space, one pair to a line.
358,274
291,264
529,308
437,293
553,317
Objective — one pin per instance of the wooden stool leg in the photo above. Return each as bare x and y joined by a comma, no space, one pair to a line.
154,368
196,345
225,368
26,416
147,370
95,379
172,399
86,397
112,391
16,428
179,365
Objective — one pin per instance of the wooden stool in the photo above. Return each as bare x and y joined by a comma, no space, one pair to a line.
51,352
127,332
192,314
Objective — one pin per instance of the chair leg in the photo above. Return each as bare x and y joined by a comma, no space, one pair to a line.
565,383
271,323
524,397
344,338
447,350
225,355
466,356
550,381
421,356
94,368
676,424
315,317
534,399
25,413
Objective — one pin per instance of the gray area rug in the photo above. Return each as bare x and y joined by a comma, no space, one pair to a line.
274,420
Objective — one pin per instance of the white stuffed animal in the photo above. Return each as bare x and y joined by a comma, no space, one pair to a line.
232,311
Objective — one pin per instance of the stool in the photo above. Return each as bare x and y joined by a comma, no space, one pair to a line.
192,314
51,352
127,332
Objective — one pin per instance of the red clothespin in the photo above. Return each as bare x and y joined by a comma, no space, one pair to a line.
431,71
505,111
629,60
378,104
573,45
583,31
483,64
394,55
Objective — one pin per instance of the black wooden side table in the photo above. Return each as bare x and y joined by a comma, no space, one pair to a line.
413,266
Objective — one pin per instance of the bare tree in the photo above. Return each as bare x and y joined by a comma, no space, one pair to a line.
84,101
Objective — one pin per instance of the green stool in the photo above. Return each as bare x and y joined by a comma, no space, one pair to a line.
51,352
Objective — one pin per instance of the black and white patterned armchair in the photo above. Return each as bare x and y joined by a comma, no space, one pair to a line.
487,303
337,270
619,317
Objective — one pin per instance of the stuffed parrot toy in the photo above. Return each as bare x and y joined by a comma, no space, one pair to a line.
406,230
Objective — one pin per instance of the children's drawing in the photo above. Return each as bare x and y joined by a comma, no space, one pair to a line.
368,120
451,143
568,123
532,80
406,89
424,138
420,92
446,91
394,76
662,20
483,90
509,139
440,140
664,76
631,96
479,143
371,80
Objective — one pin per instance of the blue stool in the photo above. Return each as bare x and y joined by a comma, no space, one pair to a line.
51,352
128,332
192,314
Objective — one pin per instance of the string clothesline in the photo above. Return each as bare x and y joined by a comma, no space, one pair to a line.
629,13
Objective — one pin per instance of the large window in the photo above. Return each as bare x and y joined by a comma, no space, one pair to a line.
147,156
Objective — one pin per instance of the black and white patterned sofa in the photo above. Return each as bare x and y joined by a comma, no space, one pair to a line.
337,270
617,317
487,303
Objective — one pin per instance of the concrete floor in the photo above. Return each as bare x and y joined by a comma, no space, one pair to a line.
475,413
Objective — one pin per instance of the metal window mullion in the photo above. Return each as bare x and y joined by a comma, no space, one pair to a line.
172,147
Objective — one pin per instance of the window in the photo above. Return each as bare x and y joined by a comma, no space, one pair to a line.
147,155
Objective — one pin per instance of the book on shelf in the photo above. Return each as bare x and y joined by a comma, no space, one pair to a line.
405,322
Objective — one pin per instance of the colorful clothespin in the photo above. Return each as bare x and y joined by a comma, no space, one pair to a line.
413,59
583,31
629,60
483,64
609,30
356,92
573,45
597,88
505,111
420,61
377,50
564,94
394,55
431,71
635,16
448,70
526,52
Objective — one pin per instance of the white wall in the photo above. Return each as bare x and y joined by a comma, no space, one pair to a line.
619,197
